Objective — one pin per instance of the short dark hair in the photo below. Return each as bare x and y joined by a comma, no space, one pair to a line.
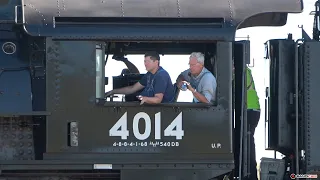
153,55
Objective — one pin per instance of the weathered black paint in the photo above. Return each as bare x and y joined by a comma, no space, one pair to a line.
15,82
39,15
244,50
311,100
134,33
72,64
7,10
281,106
241,139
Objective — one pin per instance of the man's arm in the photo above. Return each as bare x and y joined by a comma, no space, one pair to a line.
160,85
199,96
208,88
154,100
182,77
129,89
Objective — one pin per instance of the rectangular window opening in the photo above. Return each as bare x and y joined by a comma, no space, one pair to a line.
121,64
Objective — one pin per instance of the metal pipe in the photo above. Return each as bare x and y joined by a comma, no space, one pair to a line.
296,103
242,118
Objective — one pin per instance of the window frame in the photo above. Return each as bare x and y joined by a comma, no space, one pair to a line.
223,60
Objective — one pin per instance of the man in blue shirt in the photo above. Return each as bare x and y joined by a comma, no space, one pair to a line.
157,84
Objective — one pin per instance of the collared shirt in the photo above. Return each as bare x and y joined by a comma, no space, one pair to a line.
205,83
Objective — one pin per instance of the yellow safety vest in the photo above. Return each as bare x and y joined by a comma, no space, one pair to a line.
252,95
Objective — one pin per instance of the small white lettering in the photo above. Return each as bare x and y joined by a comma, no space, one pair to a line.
216,145
145,143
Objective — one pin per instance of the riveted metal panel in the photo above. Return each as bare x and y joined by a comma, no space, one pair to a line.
16,138
311,99
71,97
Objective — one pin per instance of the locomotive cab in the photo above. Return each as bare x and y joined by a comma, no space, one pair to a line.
54,72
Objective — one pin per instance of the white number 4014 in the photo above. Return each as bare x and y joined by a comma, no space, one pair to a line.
120,128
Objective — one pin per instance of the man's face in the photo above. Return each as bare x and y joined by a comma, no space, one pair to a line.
150,64
195,67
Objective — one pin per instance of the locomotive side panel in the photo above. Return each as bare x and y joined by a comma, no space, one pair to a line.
122,131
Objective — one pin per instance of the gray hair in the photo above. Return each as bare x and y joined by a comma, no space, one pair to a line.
199,56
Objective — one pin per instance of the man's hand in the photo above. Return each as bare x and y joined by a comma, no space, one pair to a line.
179,81
142,99
151,100
109,93
179,84
189,86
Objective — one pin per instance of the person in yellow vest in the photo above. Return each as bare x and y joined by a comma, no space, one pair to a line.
253,116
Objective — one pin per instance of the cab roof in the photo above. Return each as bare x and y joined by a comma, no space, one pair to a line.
39,16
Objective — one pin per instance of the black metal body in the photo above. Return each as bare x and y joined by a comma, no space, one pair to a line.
310,114
70,63
50,81
292,99
281,105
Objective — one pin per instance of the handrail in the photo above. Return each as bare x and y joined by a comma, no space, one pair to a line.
217,22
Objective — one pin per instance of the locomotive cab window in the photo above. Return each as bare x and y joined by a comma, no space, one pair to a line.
120,65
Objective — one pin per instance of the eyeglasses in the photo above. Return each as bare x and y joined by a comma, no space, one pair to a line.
192,65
